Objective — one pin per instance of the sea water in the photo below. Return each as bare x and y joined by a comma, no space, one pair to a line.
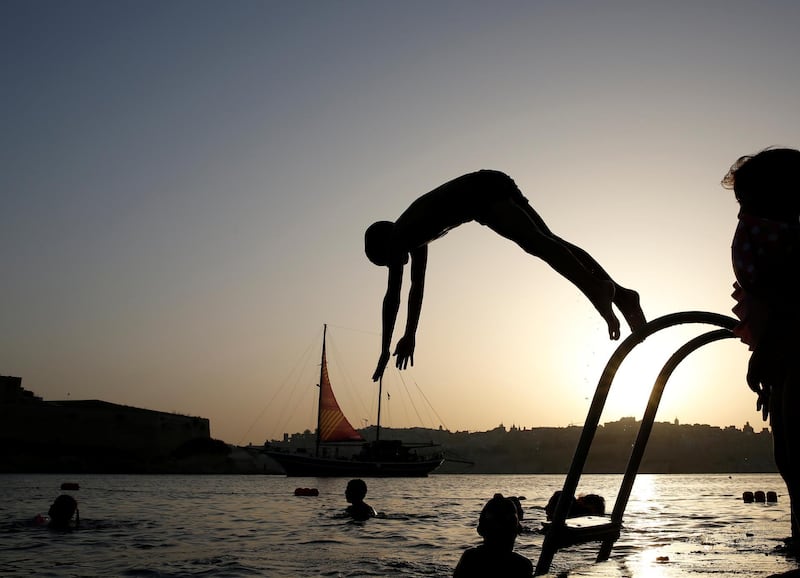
674,525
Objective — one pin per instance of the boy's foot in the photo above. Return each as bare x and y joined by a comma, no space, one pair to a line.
627,301
602,301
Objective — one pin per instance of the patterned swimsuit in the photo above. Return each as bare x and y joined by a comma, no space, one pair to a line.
764,262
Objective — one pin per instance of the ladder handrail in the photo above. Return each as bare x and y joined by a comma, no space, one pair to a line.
550,544
646,427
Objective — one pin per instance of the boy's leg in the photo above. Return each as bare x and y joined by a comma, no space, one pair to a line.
585,258
627,300
512,221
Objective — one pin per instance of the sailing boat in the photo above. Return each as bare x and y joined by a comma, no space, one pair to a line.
335,434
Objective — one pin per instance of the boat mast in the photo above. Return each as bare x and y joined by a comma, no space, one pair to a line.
319,385
380,395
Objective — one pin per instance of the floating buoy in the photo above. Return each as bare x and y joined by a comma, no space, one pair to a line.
306,492
70,486
772,497
747,497
760,497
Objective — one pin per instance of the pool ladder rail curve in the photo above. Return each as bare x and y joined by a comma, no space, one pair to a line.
563,532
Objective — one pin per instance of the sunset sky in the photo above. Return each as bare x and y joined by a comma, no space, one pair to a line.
186,184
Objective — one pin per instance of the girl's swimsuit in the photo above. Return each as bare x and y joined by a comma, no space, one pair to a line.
765,263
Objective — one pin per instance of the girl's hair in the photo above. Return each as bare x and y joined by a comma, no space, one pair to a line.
767,184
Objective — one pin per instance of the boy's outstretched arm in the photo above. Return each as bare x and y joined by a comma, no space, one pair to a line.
391,304
405,346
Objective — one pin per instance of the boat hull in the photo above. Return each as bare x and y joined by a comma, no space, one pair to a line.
305,465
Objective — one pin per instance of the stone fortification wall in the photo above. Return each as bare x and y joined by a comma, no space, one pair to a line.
50,430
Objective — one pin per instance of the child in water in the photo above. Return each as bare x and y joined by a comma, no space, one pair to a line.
355,493
766,262
499,526
61,512
492,199
583,505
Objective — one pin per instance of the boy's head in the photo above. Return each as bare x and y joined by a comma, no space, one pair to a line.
378,244
62,510
498,522
356,491
592,505
767,184
550,508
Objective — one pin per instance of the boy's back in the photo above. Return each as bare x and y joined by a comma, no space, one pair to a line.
483,562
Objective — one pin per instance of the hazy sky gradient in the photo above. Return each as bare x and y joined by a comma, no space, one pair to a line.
185,187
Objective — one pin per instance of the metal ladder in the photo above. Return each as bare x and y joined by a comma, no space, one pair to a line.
563,532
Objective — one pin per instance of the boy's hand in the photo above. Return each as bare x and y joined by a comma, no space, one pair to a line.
382,362
405,351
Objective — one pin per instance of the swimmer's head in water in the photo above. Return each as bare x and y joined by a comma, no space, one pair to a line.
356,490
498,521
62,510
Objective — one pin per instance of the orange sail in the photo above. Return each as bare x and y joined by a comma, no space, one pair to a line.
333,425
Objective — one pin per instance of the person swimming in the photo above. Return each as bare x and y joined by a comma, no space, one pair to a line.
354,493
499,526
583,505
61,512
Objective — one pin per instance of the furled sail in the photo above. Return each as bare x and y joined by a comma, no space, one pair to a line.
333,425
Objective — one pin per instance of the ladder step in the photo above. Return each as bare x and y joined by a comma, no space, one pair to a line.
584,529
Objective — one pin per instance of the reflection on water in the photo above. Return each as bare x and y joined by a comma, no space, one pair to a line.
254,525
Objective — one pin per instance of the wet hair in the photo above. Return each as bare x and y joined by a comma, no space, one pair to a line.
376,242
767,184
550,508
583,505
62,510
358,488
518,506
498,519
591,505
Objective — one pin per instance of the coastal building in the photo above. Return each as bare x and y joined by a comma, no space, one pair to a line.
38,435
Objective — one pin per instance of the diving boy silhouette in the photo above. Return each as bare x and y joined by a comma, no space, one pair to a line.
492,199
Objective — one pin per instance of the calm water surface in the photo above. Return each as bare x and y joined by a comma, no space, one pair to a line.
675,525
